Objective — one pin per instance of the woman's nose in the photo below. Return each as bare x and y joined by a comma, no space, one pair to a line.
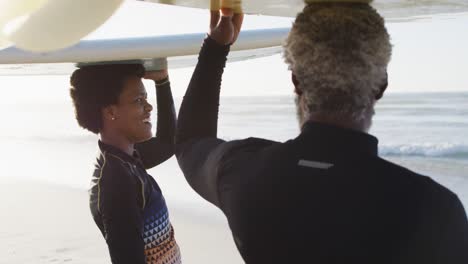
148,107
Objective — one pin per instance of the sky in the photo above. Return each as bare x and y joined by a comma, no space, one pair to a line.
429,55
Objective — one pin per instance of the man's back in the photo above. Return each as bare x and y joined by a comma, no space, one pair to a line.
326,197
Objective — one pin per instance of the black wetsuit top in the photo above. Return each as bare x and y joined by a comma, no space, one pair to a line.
127,203
323,197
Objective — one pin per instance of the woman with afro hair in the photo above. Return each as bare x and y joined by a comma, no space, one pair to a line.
126,202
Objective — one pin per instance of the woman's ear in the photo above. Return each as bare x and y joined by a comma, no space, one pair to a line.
382,88
297,90
109,113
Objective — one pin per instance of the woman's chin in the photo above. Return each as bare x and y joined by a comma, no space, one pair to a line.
144,137
148,137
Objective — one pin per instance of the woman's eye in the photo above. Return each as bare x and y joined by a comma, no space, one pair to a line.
141,100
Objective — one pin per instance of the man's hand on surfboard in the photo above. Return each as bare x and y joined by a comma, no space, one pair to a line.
156,75
225,26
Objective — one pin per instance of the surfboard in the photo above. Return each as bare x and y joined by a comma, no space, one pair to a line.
127,36
251,44
179,39
392,10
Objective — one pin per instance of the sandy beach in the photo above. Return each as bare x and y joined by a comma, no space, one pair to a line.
46,223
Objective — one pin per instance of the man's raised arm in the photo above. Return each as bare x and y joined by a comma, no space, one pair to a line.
197,146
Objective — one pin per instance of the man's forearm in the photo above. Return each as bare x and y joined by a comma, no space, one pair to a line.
198,115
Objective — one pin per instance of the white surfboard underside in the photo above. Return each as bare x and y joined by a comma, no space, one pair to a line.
390,9
179,49
140,48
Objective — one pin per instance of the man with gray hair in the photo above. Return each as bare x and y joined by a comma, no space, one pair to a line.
324,196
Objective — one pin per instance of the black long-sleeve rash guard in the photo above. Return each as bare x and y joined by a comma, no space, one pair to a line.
127,203
323,197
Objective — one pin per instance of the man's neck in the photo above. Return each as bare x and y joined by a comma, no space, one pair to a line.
340,122
117,141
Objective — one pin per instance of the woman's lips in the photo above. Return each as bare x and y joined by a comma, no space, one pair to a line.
147,121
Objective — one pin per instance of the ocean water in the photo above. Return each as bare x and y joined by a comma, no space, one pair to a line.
426,132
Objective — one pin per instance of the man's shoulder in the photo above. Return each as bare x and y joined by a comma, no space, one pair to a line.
253,143
249,149
425,182
246,145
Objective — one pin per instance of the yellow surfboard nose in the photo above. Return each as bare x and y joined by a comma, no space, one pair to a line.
236,5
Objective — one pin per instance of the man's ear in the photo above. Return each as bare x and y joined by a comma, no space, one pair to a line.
382,88
297,90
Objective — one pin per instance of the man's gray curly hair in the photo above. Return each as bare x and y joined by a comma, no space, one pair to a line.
339,53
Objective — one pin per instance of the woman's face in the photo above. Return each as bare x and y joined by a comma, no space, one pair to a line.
133,112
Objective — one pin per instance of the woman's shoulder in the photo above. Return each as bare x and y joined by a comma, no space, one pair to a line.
116,171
